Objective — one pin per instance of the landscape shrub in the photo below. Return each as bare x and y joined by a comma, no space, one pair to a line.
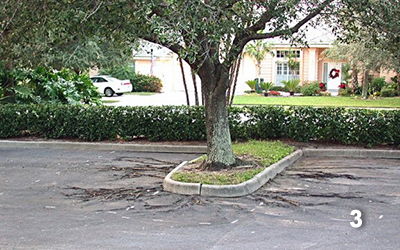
345,92
284,89
140,83
291,85
251,84
377,84
45,85
274,93
261,122
389,90
182,123
310,89
394,79
266,86
277,88
144,83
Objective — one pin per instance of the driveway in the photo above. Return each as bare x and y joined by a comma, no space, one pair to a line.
157,99
75,199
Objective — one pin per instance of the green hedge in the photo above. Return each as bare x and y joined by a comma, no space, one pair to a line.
182,123
144,83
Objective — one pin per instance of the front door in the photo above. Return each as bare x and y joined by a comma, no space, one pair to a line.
332,83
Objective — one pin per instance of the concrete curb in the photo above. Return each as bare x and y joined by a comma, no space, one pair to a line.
260,179
180,187
241,189
345,152
106,146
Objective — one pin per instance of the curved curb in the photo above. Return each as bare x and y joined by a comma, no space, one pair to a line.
260,179
229,190
180,187
106,146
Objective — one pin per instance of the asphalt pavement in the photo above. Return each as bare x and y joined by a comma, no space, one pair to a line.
87,199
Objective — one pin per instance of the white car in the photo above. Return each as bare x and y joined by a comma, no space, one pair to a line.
110,85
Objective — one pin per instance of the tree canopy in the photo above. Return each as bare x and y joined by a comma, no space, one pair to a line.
208,34
374,25
50,33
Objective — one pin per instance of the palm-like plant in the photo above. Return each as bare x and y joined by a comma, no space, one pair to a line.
259,50
266,86
291,85
251,84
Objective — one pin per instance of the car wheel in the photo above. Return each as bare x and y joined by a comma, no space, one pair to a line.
119,94
108,92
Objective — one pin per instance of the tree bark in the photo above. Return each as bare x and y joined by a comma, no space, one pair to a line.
231,77
214,80
354,79
239,60
398,83
184,81
9,82
196,94
365,84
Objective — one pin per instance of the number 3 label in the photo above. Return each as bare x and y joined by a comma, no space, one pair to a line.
357,219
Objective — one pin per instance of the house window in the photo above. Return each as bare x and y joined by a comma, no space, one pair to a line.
286,53
285,73
279,69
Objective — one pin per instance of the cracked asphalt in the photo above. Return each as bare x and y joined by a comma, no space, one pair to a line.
75,199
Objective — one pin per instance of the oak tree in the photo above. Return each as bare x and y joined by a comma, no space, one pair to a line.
208,34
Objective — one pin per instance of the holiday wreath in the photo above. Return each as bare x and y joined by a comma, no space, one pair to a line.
334,73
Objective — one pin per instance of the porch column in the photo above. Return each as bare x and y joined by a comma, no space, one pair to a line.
312,67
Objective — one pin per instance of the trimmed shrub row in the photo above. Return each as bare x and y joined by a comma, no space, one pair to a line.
182,123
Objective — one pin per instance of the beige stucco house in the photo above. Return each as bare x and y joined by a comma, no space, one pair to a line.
163,63
274,68
313,66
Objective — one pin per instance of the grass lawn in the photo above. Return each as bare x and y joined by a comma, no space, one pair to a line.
330,101
109,101
265,152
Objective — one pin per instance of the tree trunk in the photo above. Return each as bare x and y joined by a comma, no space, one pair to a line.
398,83
9,82
196,94
365,84
214,80
354,79
77,71
184,82
231,76
235,80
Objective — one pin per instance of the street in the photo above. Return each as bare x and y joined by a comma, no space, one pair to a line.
76,199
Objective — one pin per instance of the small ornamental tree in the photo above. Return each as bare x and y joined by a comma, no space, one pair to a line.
375,25
258,49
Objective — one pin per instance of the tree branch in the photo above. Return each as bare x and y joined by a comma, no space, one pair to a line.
241,41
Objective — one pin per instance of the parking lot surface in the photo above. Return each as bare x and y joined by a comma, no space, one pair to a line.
76,199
